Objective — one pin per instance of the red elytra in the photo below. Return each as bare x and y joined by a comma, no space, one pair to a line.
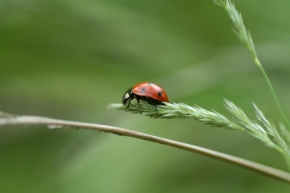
146,91
150,90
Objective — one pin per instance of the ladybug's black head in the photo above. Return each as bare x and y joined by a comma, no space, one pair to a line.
127,96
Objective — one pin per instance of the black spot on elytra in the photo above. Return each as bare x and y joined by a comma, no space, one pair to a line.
143,90
159,93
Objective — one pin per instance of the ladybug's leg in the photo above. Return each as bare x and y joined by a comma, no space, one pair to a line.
138,99
129,102
151,102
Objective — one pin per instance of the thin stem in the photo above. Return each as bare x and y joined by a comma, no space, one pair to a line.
285,119
58,124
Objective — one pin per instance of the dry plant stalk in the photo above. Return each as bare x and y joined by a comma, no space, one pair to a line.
9,119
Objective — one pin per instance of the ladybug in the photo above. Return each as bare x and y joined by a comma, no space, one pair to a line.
145,91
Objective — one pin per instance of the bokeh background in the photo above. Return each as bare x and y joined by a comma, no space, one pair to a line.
69,59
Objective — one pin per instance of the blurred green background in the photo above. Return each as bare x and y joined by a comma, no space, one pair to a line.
69,59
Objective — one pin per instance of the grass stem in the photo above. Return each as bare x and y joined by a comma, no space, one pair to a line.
61,124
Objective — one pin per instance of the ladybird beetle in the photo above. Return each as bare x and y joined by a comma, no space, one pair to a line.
146,91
